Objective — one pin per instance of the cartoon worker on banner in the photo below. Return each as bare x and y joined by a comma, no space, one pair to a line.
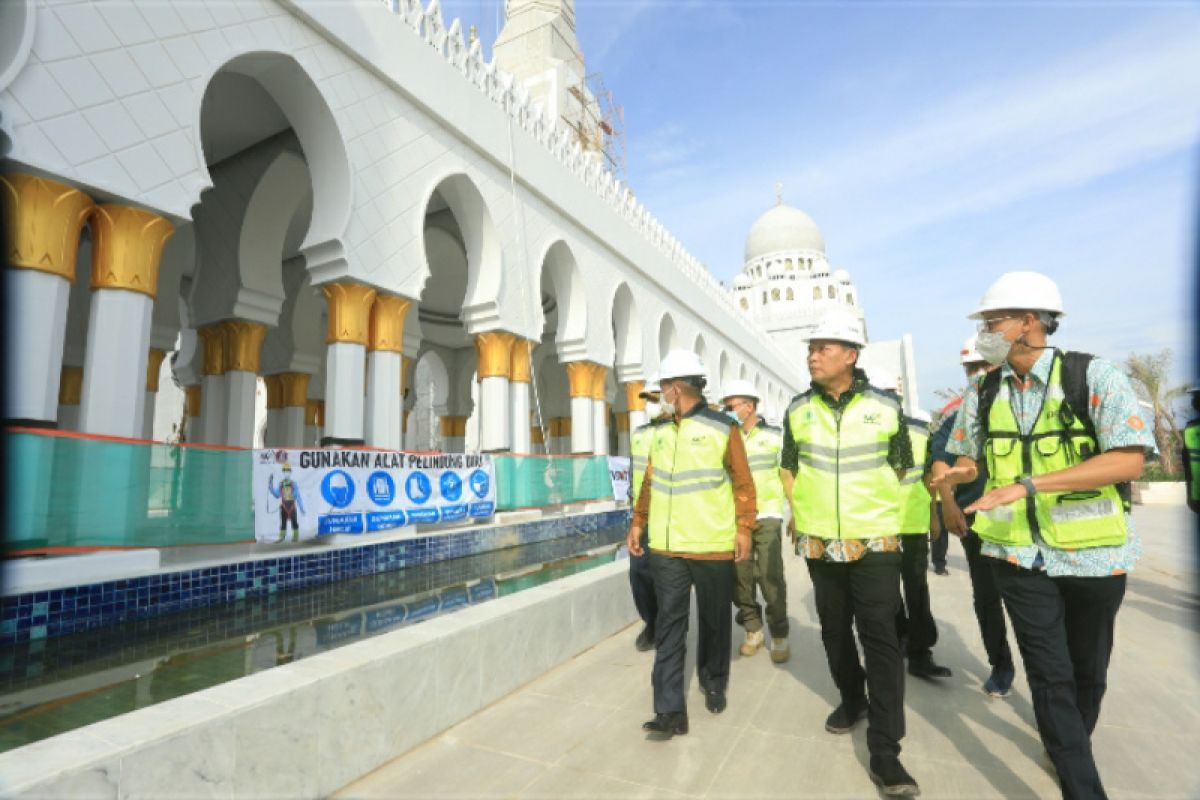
289,499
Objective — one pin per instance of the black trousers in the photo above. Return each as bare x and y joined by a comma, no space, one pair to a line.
673,581
938,549
989,610
915,617
1064,628
641,582
864,594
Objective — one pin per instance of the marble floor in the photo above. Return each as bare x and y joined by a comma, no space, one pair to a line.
575,732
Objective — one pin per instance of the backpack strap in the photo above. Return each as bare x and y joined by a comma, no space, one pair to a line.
1077,396
989,387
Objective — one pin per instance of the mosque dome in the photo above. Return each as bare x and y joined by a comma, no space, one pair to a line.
783,228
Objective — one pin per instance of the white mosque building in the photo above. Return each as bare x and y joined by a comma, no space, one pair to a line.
787,285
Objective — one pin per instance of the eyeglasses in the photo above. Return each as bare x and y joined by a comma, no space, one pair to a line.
989,325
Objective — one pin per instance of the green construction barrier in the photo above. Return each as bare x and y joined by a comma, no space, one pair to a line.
77,492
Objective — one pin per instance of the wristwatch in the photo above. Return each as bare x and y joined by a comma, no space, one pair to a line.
1028,484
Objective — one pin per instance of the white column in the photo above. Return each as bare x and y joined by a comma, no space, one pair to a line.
637,419
114,368
582,426
240,387
36,324
274,436
383,400
292,432
600,427
212,415
519,414
344,372
496,420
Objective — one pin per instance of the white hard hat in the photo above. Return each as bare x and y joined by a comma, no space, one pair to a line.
970,352
1030,291
839,326
884,379
740,388
680,364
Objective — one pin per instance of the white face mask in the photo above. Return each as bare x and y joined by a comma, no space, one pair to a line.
666,408
653,409
993,347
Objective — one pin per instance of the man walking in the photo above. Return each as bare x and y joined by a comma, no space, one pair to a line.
1061,432
764,569
698,499
845,450
989,611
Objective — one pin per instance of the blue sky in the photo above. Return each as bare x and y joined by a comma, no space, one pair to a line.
936,144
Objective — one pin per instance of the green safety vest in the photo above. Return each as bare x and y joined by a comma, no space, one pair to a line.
1191,453
763,443
844,486
639,452
691,494
914,497
1066,520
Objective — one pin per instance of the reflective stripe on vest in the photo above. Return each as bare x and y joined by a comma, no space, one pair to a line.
914,497
639,453
844,486
763,444
691,496
1066,520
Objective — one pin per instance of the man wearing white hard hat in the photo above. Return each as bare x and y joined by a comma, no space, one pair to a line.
845,450
764,569
949,519
641,581
1062,434
698,503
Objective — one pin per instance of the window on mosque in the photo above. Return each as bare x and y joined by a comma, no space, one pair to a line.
745,305
764,298
816,293
790,266
850,299
832,294
791,295
775,294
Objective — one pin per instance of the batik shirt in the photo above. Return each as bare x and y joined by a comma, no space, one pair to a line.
1118,419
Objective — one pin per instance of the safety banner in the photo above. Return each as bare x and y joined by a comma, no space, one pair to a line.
301,494
618,472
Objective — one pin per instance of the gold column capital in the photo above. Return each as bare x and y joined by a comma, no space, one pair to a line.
536,436
493,351
310,413
623,422
127,245
243,344
633,399
348,307
452,426
521,369
274,392
212,341
599,374
192,397
42,222
405,365
320,413
70,386
579,377
153,365
294,389
387,323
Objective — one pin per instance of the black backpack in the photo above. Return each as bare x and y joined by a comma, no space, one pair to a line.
1074,407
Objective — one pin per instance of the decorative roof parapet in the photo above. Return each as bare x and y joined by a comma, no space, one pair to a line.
501,88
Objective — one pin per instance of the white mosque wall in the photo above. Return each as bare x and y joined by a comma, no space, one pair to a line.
388,105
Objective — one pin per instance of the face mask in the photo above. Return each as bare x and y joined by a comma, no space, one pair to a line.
666,408
729,412
653,409
993,347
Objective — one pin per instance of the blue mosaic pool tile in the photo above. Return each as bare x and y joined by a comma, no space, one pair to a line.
37,615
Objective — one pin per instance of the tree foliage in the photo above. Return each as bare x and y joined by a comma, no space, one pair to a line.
1150,373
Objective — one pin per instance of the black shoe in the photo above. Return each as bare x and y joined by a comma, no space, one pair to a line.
645,639
925,667
714,701
842,720
892,777
667,725
941,571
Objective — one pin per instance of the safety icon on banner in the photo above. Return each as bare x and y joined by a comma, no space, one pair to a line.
418,488
381,488
480,483
338,489
451,486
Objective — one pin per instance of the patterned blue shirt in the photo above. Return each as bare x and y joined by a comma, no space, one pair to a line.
1119,422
